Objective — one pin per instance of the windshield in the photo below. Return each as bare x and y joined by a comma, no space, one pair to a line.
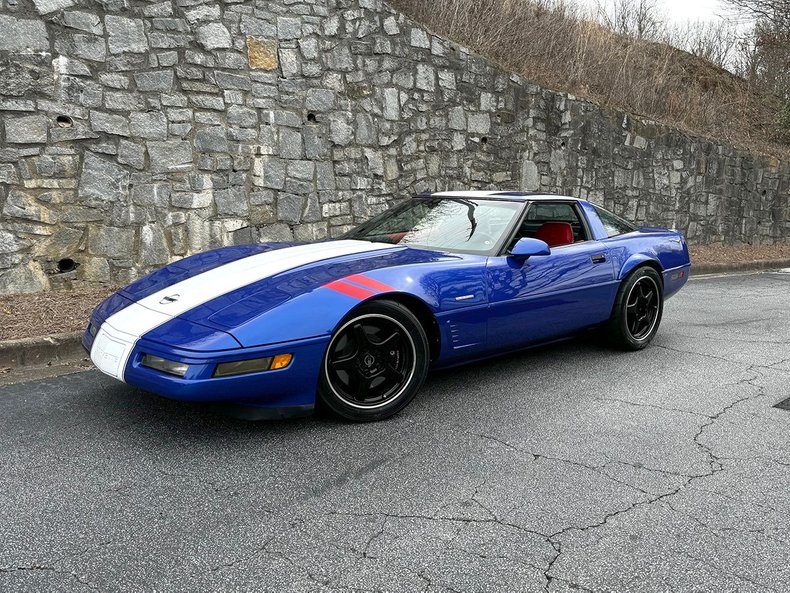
448,224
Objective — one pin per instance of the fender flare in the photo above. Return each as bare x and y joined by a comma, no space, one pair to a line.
637,260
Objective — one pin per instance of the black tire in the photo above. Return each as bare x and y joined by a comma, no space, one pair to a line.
375,363
637,310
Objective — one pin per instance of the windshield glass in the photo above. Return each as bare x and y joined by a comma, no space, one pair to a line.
448,224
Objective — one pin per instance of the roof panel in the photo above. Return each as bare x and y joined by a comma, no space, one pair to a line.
511,195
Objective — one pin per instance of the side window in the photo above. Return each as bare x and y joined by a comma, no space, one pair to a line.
613,224
540,213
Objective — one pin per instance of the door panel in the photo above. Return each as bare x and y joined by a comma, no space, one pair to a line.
546,297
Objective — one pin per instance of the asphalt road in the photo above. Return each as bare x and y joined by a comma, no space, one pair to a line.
572,468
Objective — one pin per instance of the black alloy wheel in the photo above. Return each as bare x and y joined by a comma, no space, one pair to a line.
642,307
375,363
637,310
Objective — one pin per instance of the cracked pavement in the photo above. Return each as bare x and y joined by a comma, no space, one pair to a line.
568,468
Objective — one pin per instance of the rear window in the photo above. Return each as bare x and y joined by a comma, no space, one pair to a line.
613,224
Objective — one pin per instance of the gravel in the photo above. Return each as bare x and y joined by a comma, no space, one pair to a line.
43,313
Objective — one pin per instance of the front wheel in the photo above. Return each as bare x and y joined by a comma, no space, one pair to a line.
375,363
637,310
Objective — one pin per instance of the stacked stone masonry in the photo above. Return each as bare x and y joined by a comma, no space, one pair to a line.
133,133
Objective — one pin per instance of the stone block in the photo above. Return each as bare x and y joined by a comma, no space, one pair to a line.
303,170
269,172
231,202
25,278
275,233
457,118
320,100
290,144
315,231
89,47
83,21
290,63
153,246
426,77
227,80
243,117
160,81
132,154
479,123
262,54
203,13
108,241
391,26
290,207
214,36
151,194
30,129
125,35
340,131
151,125
289,28
419,38
47,6
212,139
169,156
102,181
109,123
22,35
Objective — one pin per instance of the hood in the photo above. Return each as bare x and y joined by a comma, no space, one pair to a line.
238,307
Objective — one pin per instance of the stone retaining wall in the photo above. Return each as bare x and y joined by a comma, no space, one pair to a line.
133,133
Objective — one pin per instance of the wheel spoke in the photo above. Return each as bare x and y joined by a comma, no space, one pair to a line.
632,324
390,341
360,336
390,372
362,387
344,363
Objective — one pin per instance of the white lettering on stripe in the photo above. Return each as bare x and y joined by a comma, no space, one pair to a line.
119,333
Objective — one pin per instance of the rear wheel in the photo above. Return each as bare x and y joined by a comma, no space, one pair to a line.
637,310
375,363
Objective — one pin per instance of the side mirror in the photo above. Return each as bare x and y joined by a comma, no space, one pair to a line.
527,247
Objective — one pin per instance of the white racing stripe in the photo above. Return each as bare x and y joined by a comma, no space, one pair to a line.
119,333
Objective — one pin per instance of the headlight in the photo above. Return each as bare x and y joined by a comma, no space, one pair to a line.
166,366
253,365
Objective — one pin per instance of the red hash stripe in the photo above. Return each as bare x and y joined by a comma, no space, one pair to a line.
369,283
350,290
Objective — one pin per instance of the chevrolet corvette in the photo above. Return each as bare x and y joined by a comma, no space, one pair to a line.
355,324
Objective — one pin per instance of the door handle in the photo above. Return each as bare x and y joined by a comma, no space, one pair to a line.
598,258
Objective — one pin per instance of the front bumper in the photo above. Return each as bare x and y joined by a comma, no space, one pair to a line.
292,387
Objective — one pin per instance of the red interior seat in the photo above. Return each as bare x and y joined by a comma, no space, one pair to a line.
555,234
396,237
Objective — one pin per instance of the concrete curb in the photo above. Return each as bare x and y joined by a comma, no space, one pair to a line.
42,350
745,266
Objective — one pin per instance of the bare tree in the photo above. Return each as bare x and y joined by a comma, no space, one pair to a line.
774,11
767,53
719,41
635,18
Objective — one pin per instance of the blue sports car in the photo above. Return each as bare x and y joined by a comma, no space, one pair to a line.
355,324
